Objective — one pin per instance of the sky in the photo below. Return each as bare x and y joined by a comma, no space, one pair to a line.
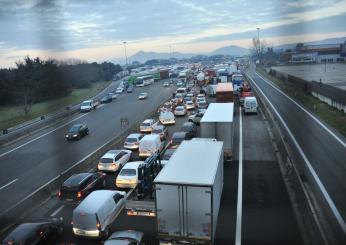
94,30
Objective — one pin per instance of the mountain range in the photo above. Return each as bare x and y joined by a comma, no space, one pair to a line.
143,56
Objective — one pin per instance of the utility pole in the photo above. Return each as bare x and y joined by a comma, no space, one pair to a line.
125,54
259,44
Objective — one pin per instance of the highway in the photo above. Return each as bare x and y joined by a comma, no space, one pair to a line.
322,148
34,161
266,213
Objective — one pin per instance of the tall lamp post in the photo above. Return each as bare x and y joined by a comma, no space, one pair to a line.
125,53
259,44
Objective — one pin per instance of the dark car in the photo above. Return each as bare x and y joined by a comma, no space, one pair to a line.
177,138
129,89
40,232
77,131
106,99
189,128
168,153
128,237
78,186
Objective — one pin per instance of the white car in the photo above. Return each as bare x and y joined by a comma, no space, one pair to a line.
132,141
167,118
180,111
147,126
128,176
119,90
113,160
87,106
143,96
196,117
189,105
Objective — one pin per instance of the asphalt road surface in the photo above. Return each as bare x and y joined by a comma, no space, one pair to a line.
323,147
267,215
32,162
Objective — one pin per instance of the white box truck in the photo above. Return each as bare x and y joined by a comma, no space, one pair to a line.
217,122
188,193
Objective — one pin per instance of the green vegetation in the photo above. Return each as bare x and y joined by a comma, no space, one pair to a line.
13,114
332,116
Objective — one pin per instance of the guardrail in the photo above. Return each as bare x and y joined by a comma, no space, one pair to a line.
49,190
8,135
316,221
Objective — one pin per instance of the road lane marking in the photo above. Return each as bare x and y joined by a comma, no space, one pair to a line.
3,187
20,146
325,194
240,183
307,112
57,211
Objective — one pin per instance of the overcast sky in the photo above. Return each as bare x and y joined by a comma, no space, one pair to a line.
95,29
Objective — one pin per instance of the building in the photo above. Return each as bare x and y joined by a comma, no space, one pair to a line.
322,53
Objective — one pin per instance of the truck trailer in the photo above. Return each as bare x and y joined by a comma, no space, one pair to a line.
188,193
217,123
224,93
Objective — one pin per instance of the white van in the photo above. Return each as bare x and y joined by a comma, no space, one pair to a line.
167,117
94,216
149,145
128,176
250,105
87,106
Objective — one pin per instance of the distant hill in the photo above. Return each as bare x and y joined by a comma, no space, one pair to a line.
143,56
324,41
230,50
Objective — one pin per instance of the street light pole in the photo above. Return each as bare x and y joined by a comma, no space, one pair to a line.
125,53
258,43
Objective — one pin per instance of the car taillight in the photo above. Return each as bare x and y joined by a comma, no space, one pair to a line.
59,194
171,141
71,222
79,194
98,225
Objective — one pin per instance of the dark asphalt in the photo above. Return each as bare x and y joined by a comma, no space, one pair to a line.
325,153
43,159
267,214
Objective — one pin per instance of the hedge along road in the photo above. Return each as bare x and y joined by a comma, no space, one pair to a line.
29,166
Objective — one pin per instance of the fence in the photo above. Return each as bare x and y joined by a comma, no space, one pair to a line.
333,96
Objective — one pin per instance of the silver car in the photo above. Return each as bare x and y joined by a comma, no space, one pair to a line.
113,160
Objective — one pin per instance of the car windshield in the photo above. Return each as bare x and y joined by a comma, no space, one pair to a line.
145,124
86,104
179,108
128,172
106,160
157,131
167,154
74,129
131,140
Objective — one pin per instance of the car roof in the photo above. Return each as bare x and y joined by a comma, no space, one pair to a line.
179,134
148,120
111,153
132,165
76,179
137,235
250,98
87,101
21,232
187,124
77,125
134,136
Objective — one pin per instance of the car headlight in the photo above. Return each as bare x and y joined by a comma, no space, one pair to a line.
75,135
66,135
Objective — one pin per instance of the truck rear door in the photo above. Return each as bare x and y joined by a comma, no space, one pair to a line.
198,212
168,208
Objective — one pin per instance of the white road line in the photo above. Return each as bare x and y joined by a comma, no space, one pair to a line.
307,112
20,146
325,194
240,183
3,187
57,211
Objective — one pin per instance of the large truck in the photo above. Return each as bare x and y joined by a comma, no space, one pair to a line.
188,193
164,74
237,80
224,93
217,123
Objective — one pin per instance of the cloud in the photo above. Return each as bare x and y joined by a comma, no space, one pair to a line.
68,26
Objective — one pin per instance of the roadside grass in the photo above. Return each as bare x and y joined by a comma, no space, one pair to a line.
332,116
13,115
